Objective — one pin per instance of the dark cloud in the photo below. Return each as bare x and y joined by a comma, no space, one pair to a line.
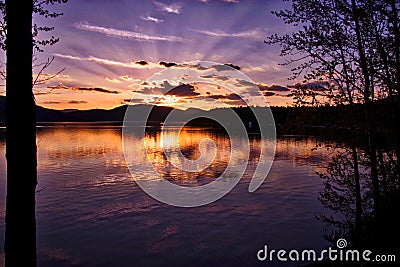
233,66
164,87
133,100
193,66
50,92
231,96
244,83
321,86
167,64
69,102
77,102
97,89
274,88
142,62
284,95
233,99
155,88
55,87
215,77
87,89
224,67
269,93
183,90
51,102
278,88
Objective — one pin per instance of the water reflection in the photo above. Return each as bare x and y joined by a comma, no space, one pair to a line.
189,142
90,212
348,192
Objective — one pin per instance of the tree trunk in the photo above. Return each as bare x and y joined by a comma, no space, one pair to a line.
368,110
20,235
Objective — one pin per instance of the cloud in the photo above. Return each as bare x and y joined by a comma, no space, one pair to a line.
269,94
256,34
224,67
312,85
49,76
133,100
113,80
317,86
233,66
192,66
86,89
167,64
284,95
142,62
51,102
215,77
232,98
227,1
173,8
278,88
72,102
131,65
271,68
151,19
183,90
49,92
56,87
126,78
244,83
155,88
274,88
96,89
124,34
129,78
165,87
77,102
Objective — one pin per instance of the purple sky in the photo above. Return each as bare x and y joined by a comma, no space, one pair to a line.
100,41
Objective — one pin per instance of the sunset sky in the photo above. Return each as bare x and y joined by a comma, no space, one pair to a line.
109,48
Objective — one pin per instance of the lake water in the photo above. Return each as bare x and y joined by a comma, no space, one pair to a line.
91,212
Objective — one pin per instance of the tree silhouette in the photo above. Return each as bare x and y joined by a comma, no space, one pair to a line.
20,236
349,50
18,38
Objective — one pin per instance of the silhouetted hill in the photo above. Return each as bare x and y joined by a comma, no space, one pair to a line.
95,115
157,113
287,119
49,115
